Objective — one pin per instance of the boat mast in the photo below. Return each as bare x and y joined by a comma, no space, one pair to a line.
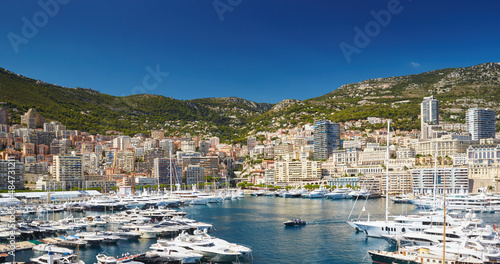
170,170
387,174
435,175
444,215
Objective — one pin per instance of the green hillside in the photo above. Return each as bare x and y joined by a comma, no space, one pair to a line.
232,118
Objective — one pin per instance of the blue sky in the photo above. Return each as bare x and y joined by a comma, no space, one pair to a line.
261,50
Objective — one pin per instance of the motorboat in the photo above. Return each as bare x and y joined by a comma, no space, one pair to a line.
318,193
208,248
72,241
52,248
57,259
105,259
172,250
128,235
339,193
403,224
295,222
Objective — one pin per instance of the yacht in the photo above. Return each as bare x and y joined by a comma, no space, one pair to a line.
146,231
127,235
415,223
52,248
57,259
414,255
102,258
434,236
339,193
318,193
104,204
72,241
172,250
207,248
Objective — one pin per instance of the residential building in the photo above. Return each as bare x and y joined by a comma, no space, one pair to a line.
481,123
326,139
446,145
167,171
251,143
194,174
121,142
157,134
429,114
426,179
68,169
32,119
11,175
125,159
4,116
296,171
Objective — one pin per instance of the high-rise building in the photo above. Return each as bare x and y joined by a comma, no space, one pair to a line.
11,175
166,169
121,143
429,114
326,139
68,169
194,174
188,146
480,123
168,145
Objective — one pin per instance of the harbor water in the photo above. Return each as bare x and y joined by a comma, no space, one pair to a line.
258,223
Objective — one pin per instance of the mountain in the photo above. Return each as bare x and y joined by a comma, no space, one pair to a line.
398,98
232,118
92,111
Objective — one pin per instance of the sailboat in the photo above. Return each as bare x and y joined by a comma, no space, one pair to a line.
403,224
463,252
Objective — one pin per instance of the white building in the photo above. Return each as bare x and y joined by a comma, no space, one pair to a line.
296,171
121,142
425,180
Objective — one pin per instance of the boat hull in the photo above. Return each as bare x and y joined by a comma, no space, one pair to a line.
384,259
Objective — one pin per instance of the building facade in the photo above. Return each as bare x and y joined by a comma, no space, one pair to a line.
426,179
429,114
326,139
480,123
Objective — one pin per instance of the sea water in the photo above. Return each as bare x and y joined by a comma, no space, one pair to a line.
258,222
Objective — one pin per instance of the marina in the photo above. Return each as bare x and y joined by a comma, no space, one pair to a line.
257,223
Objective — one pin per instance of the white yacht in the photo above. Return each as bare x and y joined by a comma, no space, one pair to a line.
415,223
172,250
52,248
57,259
434,236
146,231
207,248
318,193
339,193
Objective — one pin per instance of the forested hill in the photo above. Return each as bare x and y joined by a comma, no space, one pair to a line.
232,118
397,98
92,111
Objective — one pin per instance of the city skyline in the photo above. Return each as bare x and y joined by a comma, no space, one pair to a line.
190,50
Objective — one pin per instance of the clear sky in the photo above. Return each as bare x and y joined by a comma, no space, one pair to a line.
260,50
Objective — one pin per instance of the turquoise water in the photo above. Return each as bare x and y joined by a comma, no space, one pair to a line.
258,222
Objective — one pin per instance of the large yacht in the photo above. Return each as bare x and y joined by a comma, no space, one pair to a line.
411,223
172,250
